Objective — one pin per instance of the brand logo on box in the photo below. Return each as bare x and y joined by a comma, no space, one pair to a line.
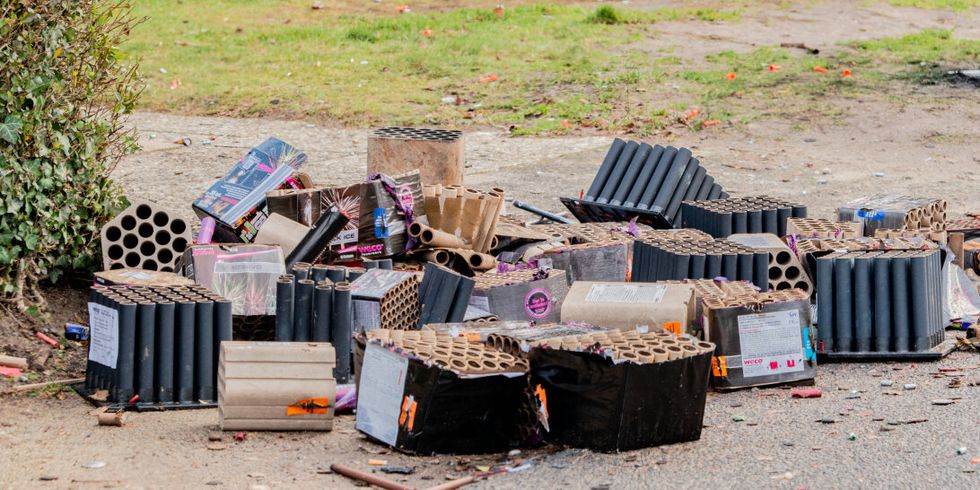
752,362
537,303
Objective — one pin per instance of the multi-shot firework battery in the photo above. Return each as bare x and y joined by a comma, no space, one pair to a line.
661,260
895,212
444,295
879,302
156,345
646,182
144,236
723,217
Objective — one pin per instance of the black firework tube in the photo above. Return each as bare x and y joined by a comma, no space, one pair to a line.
322,306
300,270
725,222
93,373
630,176
658,263
783,213
386,264
681,190
284,309
692,190
353,274
302,310
337,274
882,333
145,349
755,221
843,301
698,266
729,265
938,322
770,221
760,270
863,302
612,156
540,212
740,221
223,329
799,211
681,262
429,292
919,282
461,300
712,266
746,267
318,273
706,186
340,326
370,264
327,226
657,179
186,336
164,386
126,358
616,175
715,192
442,300
825,303
643,179
639,261
724,195
900,303
677,169
204,350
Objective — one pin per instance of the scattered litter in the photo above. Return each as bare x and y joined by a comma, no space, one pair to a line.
377,462
401,470
886,382
845,72
802,46
112,419
513,453
806,393
738,418
217,446
827,420
961,450
909,386
942,401
47,478
47,340
183,141
240,436
488,79
10,371
94,465
775,68
879,174
730,76
215,435
76,332
820,69
852,436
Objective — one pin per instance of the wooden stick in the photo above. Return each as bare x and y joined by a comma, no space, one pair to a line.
453,484
369,478
32,386
11,361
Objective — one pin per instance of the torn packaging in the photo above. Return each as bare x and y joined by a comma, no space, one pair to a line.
589,401
389,205
425,409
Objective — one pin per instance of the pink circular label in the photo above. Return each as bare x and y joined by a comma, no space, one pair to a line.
537,303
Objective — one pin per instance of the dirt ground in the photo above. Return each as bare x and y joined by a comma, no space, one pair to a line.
924,142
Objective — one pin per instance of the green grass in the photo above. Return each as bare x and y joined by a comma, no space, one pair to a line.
281,58
538,69
955,5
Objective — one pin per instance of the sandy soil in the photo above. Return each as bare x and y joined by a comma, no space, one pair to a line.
924,143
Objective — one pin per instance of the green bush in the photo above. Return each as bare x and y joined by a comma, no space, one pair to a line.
606,14
64,90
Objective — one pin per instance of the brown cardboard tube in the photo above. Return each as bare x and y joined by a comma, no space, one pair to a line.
439,238
481,261
706,347
490,365
112,419
494,243
453,484
14,362
674,352
441,257
645,356
660,354
415,229
433,206
473,364
452,208
688,350
458,363
469,221
494,202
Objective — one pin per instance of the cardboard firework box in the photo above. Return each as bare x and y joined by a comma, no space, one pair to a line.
533,295
389,205
630,305
237,202
246,274
348,201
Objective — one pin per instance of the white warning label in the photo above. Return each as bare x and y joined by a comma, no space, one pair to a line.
771,343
